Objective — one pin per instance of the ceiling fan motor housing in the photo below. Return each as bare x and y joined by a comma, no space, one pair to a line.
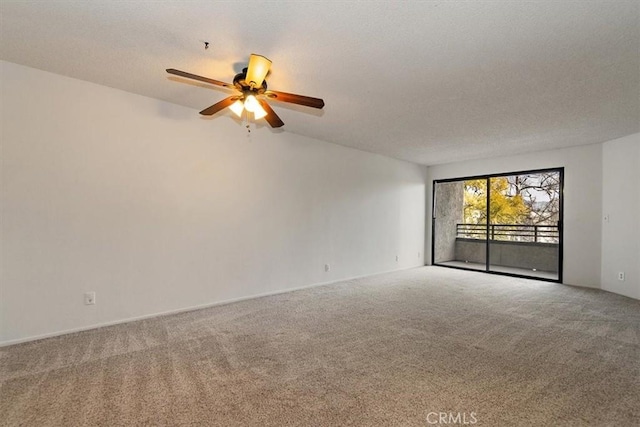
240,82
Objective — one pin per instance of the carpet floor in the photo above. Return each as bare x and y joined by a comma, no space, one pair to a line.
396,349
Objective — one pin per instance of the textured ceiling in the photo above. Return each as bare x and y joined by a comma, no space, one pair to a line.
429,82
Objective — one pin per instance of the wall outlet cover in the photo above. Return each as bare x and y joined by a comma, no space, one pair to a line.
89,298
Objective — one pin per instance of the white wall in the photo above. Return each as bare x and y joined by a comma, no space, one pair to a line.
621,215
582,201
156,209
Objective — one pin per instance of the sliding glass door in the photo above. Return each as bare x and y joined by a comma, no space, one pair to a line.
506,224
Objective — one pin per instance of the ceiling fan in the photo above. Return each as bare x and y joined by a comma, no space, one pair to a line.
253,90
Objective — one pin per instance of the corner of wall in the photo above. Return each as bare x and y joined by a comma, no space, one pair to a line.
620,250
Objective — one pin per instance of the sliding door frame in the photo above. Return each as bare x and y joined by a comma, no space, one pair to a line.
487,269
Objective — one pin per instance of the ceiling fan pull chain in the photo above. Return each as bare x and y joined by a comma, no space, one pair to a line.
246,122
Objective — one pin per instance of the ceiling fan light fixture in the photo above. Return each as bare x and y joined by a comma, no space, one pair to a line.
237,108
257,70
259,113
251,103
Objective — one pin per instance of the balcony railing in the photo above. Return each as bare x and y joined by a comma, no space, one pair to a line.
509,232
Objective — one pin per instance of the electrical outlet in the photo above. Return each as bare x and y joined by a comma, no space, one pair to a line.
89,298
418,254
621,275
397,258
327,267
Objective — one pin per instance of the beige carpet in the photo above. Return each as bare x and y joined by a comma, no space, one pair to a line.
387,350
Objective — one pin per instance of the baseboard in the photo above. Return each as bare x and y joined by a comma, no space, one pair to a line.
187,309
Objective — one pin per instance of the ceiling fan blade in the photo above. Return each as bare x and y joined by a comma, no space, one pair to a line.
271,117
199,78
257,70
295,99
209,111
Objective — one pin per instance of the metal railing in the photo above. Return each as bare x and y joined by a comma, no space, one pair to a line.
509,232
